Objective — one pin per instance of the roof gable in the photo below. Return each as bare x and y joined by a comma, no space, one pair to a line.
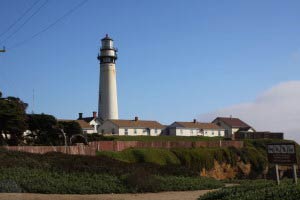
137,123
198,125
233,122
82,123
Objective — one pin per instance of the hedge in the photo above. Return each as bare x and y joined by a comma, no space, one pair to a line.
49,182
257,190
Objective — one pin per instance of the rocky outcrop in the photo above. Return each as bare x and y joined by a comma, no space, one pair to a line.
222,171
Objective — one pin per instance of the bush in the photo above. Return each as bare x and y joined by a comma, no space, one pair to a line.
58,162
142,181
258,190
150,155
195,159
174,183
49,182
42,181
9,186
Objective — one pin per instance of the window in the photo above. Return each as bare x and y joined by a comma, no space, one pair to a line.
107,59
181,131
126,131
219,133
155,130
135,131
113,131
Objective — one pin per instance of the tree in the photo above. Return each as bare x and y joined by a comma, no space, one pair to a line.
70,128
12,120
44,130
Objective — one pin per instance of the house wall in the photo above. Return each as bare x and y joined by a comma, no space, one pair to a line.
228,130
139,131
95,123
88,131
108,128
180,131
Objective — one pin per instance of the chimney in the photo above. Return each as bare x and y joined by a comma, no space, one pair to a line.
136,119
79,115
94,114
194,120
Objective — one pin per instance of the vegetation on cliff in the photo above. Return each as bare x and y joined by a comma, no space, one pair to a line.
73,174
196,159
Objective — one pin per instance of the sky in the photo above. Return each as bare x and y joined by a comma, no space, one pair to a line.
178,60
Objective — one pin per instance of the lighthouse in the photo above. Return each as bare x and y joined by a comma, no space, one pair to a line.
108,101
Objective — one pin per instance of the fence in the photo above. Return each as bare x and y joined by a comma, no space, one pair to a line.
93,147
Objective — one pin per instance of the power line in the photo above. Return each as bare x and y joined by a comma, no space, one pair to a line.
15,22
25,22
51,25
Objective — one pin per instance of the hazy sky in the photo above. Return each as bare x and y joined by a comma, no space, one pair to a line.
177,59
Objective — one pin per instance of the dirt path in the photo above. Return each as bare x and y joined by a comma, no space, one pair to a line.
186,195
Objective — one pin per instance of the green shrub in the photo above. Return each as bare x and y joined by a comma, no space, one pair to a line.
142,181
49,182
8,186
195,159
59,162
257,190
147,155
173,183
42,181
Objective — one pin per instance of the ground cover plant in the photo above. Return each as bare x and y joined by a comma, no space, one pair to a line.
72,174
50,182
195,159
257,190
132,170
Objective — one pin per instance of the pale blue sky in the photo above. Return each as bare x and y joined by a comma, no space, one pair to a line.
177,59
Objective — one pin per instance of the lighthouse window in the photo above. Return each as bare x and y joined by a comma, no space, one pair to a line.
107,59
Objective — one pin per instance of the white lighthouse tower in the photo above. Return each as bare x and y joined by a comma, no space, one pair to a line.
108,102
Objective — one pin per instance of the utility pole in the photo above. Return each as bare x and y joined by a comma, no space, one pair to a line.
2,50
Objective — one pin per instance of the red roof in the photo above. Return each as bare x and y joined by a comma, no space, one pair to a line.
199,125
233,122
137,123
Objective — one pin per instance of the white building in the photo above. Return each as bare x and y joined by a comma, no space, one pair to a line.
89,125
195,128
108,102
232,125
134,127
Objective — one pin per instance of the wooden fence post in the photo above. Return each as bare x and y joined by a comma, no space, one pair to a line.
277,174
295,173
